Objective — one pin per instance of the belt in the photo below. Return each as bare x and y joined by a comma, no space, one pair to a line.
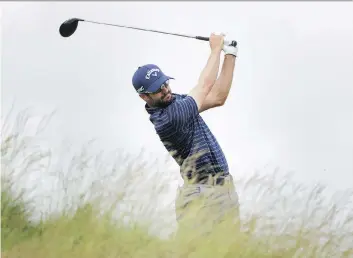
212,180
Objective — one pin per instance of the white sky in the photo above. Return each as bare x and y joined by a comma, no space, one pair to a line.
290,104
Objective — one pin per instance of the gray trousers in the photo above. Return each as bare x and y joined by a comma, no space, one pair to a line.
204,205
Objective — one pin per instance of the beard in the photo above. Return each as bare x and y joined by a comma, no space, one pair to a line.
163,102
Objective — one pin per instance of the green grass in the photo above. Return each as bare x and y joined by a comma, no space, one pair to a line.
280,218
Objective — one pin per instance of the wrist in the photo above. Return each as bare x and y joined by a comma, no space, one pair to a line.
229,56
216,50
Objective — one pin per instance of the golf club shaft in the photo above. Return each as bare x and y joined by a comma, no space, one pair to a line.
150,30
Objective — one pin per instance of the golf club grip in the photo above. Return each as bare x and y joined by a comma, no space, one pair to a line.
202,38
229,43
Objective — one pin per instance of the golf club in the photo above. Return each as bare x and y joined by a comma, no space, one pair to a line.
68,27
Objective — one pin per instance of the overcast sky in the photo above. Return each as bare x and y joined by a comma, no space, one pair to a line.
291,100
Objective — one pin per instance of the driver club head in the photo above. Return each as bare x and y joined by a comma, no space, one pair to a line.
68,27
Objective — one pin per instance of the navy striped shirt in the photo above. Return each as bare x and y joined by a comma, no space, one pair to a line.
184,133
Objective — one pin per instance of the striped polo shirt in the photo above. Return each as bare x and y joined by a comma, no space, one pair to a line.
184,133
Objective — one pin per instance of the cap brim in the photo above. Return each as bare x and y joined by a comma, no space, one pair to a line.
157,84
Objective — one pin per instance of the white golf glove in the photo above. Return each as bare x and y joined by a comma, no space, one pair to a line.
229,50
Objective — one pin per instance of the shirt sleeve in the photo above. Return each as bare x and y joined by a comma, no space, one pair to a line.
182,111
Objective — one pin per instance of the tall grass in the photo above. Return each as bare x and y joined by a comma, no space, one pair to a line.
84,203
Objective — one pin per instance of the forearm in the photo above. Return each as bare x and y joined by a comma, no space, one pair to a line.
223,84
209,74
207,79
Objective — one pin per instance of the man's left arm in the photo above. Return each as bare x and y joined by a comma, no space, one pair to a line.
220,91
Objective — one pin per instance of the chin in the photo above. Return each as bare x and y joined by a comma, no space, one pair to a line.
165,103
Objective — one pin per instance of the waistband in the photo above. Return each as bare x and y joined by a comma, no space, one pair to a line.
211,180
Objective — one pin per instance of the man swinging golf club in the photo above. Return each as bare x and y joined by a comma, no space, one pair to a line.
177,121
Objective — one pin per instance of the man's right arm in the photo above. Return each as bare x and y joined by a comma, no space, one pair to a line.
182,111
209,74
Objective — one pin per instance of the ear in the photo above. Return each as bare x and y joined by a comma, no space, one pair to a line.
144,97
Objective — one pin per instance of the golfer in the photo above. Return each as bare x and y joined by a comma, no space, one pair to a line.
186,136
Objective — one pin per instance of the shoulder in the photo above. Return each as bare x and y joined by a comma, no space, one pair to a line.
159,116
162,123
184,100
161,120
181,97
182,110
181,100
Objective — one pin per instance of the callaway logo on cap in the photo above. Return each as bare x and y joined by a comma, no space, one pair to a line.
152,72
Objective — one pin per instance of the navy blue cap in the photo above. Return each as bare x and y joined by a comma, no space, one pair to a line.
149,78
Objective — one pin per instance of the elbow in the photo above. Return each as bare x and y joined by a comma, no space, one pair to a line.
219,102
221,98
